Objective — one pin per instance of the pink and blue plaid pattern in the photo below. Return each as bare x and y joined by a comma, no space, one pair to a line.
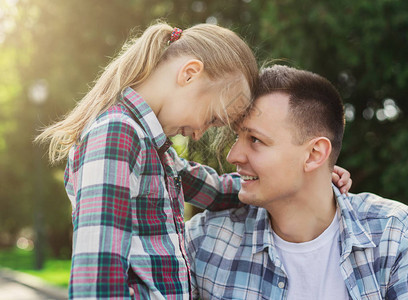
128,207
233,256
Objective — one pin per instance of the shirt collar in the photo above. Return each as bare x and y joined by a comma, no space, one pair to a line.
262,230
352,232
146,117
262,237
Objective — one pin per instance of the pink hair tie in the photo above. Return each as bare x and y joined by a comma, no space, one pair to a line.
175,35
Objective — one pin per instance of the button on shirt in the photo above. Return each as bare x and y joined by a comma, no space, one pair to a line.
128,205
233,253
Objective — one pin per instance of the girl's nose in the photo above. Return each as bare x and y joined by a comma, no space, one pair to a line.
197,134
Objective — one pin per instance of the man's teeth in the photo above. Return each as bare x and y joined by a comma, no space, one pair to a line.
249,177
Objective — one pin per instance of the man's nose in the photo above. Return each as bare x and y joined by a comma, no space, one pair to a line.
236,155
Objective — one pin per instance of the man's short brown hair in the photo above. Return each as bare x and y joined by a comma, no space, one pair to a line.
315,106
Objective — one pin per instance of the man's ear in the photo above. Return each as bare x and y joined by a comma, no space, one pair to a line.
319,150
189,71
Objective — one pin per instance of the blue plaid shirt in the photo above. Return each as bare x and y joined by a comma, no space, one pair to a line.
233,256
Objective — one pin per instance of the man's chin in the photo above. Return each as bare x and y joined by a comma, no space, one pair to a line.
245,197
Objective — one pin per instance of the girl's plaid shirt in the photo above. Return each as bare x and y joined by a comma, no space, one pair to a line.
128,206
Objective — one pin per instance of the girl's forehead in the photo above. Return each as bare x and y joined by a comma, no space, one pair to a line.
231,109
236,97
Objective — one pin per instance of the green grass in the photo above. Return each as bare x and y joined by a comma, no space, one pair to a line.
55,271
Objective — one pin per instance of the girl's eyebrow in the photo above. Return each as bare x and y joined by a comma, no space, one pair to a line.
217,121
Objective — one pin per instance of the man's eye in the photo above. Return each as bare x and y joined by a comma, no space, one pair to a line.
254,140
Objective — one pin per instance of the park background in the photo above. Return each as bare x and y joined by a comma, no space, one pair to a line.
51,51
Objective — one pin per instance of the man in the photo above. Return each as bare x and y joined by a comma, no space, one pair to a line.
298,237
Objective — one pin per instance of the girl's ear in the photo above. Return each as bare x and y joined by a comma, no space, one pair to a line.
319,150
189,71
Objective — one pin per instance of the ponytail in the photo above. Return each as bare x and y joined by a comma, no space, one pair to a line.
132,66
221,51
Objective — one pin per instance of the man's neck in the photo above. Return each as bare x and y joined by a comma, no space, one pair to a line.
305,216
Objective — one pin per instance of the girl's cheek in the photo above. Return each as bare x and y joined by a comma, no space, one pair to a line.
202,124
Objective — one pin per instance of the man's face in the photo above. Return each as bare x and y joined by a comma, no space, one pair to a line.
270,164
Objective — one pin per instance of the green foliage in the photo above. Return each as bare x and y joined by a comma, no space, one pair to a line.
17,259
55,271
359,45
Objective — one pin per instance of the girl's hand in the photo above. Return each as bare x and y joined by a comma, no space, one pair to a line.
341,178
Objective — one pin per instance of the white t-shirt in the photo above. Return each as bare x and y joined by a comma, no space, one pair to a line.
313,268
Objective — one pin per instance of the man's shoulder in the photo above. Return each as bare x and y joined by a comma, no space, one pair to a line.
222,218
370,206
221,224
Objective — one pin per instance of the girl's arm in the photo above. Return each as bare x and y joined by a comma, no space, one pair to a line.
100,170
204,188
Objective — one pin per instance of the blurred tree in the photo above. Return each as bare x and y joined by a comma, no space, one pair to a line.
64,45
362,47
359,45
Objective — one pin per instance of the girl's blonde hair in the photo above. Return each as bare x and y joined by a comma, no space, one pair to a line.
221,51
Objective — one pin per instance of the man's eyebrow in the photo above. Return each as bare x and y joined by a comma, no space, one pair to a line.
256,131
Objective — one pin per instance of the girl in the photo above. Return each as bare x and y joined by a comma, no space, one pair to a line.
122,176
